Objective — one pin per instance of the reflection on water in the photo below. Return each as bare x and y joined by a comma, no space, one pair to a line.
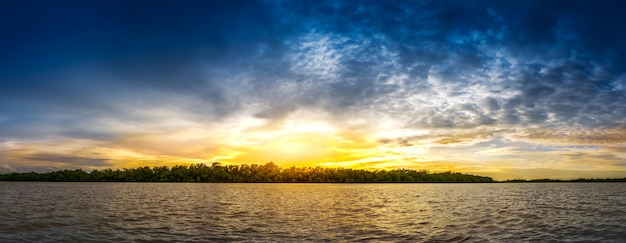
132,212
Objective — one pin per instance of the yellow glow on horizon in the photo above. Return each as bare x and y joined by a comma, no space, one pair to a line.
308,140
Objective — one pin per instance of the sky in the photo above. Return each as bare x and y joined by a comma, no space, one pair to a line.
507,89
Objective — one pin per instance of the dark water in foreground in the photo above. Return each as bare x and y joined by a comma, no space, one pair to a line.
136,212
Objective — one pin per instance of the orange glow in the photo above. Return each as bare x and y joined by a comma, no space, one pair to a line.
298,143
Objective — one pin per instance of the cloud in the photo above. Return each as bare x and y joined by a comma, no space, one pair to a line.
350,57
202,75
576,136
6,168
67,160
43,162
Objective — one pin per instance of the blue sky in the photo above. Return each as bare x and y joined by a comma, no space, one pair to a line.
509,89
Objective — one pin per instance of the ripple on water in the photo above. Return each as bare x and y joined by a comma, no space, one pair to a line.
145,212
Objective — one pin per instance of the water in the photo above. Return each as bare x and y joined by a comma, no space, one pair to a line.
158,212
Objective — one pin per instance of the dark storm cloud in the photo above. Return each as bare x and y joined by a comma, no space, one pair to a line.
276,111
575,25
71,160
15,158
555,71
134,38
92,60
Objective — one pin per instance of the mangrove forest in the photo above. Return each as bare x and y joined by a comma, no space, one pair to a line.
267,173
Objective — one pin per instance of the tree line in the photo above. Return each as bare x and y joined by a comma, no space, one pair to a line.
267,173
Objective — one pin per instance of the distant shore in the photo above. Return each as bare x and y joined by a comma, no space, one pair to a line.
574,180
267,173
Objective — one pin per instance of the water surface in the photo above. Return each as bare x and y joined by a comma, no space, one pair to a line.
136,212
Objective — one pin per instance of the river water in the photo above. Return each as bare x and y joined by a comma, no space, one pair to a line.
180,212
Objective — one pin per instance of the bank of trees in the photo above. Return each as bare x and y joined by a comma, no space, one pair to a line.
267,173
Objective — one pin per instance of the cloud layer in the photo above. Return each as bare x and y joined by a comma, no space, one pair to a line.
141,81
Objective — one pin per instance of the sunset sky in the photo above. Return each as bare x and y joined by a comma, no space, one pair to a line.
507,89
